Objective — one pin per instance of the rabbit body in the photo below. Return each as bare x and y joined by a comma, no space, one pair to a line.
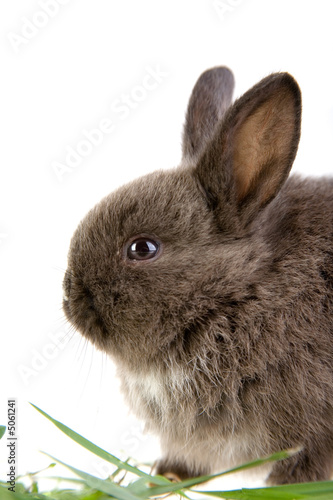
211,287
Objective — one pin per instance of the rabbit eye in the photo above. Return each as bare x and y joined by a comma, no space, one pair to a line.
142,249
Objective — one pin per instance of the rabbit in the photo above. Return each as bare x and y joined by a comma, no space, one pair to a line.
210,285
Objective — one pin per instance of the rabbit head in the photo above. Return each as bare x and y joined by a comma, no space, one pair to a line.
143,263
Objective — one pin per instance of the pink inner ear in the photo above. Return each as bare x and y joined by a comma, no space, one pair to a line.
262,145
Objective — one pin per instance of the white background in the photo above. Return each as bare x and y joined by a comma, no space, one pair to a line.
60,76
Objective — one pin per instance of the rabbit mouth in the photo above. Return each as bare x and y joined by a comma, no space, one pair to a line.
87,321
81,311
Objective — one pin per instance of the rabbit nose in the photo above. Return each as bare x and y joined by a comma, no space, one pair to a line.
67,284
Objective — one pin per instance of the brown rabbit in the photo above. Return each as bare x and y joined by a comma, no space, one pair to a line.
211,287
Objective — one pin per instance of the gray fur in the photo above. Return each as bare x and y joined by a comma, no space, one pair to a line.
210,99
224,341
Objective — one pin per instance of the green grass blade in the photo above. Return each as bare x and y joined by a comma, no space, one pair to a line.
5,494
106,486
100,452
2,430
189,483
311,491
253,494
139,487
8,495
64,479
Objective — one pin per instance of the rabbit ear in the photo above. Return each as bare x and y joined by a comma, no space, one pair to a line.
251,155
210,98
